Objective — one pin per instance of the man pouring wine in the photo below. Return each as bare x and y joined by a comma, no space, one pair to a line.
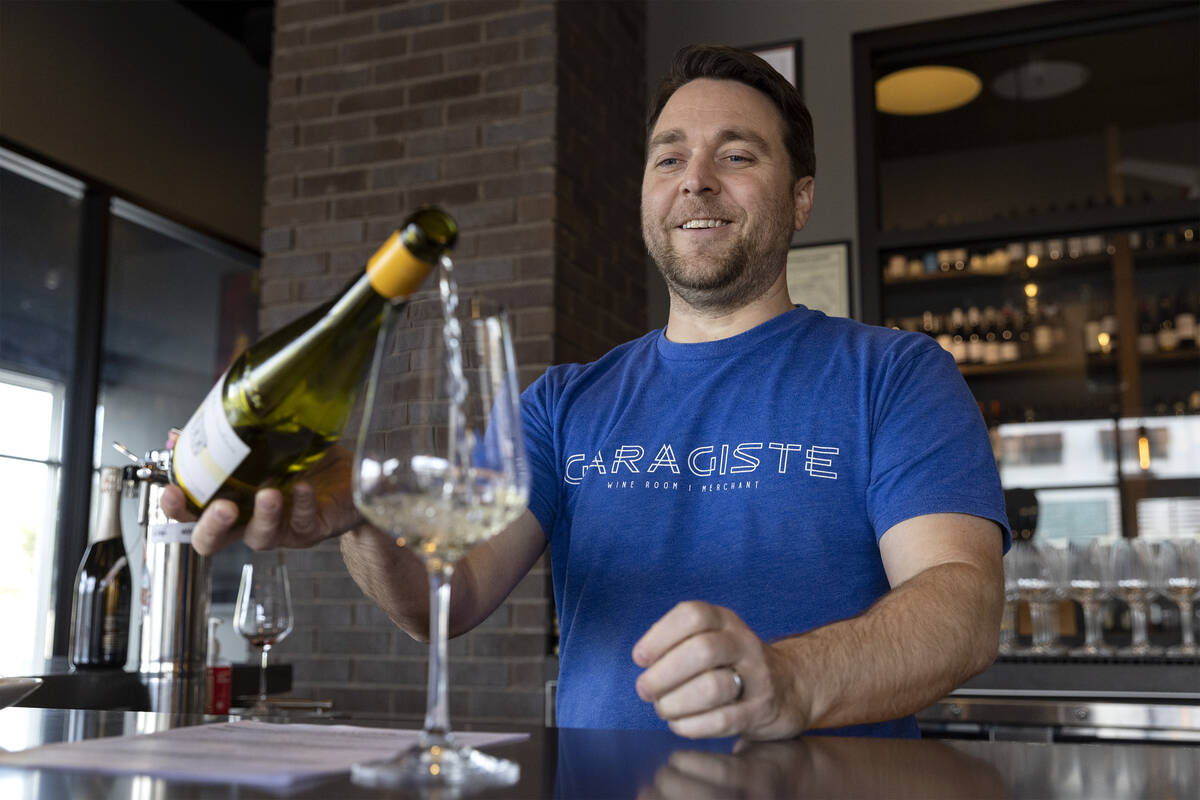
762,520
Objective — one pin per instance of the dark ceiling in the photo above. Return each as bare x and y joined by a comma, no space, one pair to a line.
248,22
1140,77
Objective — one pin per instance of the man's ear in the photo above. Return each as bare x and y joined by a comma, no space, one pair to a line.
803,195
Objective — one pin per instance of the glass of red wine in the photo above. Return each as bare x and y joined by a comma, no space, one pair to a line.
264,614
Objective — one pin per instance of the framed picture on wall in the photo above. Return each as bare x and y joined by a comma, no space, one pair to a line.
818,276
784,57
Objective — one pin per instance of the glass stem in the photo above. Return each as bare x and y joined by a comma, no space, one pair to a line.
1044,632
1137,613
262,676
437,709
1092,625
1185,623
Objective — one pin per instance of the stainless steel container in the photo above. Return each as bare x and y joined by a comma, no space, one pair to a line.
176,585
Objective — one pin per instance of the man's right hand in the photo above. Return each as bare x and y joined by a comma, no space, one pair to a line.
313,510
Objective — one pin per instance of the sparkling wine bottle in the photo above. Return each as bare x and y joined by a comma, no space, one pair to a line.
286,399
103,587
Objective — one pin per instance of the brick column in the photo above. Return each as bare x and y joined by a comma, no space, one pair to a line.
523,120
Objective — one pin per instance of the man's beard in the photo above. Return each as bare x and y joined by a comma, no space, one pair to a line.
741,275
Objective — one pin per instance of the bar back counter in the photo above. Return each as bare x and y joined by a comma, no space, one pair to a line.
1077,699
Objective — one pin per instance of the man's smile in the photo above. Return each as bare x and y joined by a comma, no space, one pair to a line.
694,224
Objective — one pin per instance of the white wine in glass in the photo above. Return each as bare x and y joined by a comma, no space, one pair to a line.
440,464
264,613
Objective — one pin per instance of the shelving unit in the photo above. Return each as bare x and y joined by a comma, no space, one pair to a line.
1138,241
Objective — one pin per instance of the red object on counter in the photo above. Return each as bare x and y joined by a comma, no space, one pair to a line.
219,690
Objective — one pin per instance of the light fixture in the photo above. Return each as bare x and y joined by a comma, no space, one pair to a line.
1143,446
926,90
1037,79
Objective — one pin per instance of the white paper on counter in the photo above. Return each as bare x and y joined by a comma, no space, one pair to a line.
264,754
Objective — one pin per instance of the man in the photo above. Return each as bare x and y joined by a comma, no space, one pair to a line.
762,520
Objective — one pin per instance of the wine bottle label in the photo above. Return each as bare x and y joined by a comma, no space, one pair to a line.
170,533
208,450
394,271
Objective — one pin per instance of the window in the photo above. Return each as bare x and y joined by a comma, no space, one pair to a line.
30,441
114,322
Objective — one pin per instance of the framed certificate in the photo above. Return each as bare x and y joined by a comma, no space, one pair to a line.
784,57
818,276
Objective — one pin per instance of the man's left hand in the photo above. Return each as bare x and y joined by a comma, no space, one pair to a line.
709,675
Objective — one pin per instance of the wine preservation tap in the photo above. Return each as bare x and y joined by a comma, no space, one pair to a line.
176,584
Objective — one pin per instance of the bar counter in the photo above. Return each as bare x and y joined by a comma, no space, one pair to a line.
568,763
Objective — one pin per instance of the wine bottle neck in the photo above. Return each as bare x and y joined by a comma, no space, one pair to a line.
360,307
394,271
108,525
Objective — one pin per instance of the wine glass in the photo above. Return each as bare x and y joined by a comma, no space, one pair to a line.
1089,583
1133,573
1008,621
1179,579
264,613
1039,584
442,472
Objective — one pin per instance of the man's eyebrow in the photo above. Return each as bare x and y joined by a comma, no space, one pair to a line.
742,135
667,137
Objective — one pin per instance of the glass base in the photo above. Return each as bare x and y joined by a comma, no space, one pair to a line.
437,761
1045,650
1183,650
1092,650
1140,650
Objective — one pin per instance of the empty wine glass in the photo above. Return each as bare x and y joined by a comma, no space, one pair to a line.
442,472
1133,573
264,613
1039,583
1179,579
1089,583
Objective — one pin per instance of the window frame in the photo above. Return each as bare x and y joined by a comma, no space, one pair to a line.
101,203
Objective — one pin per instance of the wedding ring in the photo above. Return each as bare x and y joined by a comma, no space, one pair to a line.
737,681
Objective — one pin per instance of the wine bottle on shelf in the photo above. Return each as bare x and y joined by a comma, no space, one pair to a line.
944,335
1168,339
991,337
974,336
1043,334
1091,329
1025,328
286,399
958,336
1010,341
103,587
1147,341
1185,320
929,324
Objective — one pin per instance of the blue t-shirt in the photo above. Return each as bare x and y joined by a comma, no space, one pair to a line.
756,472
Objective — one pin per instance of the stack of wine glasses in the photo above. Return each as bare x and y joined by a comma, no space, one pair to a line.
1093,572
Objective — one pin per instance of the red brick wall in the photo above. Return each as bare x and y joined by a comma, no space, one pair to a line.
523,120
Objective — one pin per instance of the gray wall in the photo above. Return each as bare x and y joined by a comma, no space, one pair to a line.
825,27
144,96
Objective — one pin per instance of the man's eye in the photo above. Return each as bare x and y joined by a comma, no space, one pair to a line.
668,162
737,159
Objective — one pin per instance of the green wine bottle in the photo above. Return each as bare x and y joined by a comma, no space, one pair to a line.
286,399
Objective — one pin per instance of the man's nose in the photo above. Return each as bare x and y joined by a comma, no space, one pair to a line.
700,178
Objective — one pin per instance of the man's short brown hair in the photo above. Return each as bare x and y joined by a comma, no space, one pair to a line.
729,63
